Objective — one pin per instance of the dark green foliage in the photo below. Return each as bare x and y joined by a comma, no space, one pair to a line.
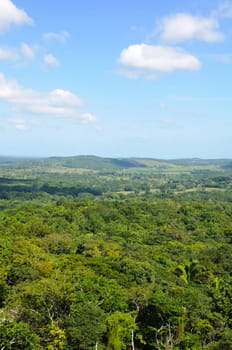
85,326
17,336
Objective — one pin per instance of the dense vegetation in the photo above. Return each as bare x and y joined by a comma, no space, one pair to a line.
114,254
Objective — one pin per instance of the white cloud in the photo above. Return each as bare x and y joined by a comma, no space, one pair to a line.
183,26
151,59
62,36
28,52
56,103
19,124
21,54
12,15
9,54
50,61
21,127
88,117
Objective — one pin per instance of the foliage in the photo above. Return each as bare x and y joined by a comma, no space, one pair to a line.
136,254
17,335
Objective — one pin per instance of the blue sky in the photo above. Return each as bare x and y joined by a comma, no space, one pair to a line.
116,78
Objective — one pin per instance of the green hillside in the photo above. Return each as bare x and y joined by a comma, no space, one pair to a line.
110,164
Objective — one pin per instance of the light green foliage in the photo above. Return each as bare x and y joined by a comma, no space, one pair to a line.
119,328
56,337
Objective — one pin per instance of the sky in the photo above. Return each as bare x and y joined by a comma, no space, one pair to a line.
125,78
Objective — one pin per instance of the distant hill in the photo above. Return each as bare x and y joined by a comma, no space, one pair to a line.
10,160
95,163
228,165
111,164
80,162
200,162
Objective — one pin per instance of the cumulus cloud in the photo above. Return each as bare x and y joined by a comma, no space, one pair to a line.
8,54
27,51
148,59
24,53
12,15
183,26
57,103
61,37
50,61
87,118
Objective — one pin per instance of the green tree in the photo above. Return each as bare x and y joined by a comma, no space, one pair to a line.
86,326
120,330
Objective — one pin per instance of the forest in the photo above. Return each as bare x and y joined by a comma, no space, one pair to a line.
115,254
